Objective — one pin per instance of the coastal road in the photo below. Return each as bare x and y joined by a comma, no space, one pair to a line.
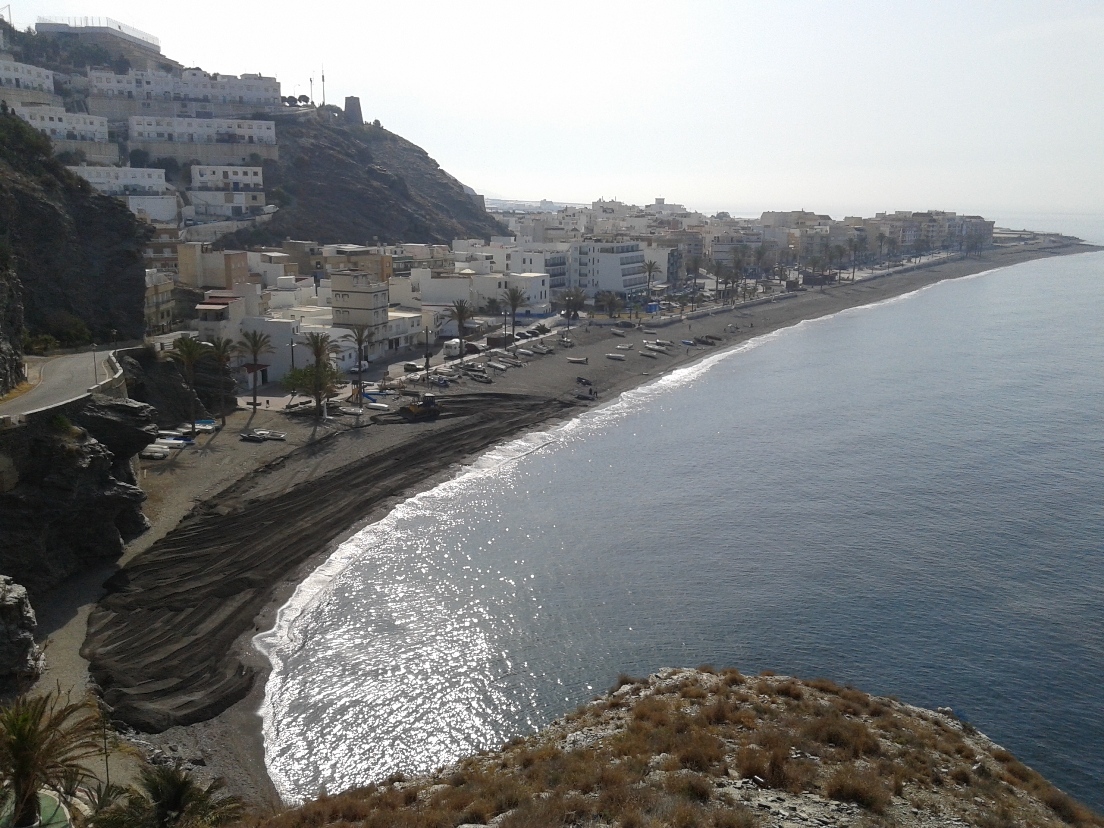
61,378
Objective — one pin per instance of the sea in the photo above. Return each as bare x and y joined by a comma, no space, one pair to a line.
907,497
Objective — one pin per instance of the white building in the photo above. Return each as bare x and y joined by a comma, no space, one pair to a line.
123,180
24,76
359,299
226,204
159,209
60,125
603,266
201,130
186,85
211,177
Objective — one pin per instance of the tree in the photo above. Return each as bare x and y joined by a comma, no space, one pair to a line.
853,248
608,301
319,381
574,300
43,740
256,345
881,238
167,797
514,298
651,269
460,313
186,352
492,307
222,351
360,336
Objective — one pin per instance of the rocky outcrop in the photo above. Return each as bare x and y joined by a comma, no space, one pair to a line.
360,183
11,326
78,253
69,500
159,383
700,748
20,657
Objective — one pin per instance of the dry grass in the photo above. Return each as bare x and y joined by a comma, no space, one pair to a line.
787,735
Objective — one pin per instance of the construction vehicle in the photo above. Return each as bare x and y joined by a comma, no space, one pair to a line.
423,408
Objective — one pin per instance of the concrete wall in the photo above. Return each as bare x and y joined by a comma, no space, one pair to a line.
207,153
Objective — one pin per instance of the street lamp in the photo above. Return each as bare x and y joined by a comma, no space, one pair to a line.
95,366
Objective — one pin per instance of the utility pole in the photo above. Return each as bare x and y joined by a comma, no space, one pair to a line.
323,84
427,352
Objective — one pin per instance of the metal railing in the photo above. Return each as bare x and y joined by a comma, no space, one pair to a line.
102,23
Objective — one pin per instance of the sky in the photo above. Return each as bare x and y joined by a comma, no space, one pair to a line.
839,107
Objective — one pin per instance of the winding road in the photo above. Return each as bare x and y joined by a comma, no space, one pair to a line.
60,378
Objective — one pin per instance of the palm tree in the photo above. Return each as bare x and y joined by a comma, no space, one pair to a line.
255,344
720,274
360,336
651,268
608,300
514,298
492,307
460,313
43,741
167,797
573,300
853,248
186,352
222,351
881,238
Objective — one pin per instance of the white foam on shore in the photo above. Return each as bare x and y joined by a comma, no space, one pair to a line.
289,632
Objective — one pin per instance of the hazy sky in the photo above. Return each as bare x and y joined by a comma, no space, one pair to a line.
841,107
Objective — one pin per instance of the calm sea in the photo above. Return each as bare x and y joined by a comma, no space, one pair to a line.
908,497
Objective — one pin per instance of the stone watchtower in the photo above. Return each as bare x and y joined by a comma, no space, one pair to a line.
353,115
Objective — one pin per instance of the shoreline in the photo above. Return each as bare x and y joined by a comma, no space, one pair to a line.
231,742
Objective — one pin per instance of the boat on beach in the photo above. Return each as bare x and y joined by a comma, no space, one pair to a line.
627,347
618,357
579,360
647,354
617,332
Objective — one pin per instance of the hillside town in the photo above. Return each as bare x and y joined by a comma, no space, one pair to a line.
186,148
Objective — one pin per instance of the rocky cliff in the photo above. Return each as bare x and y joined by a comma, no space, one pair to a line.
20,657
700,748
11,325
68,497
78,253
341,182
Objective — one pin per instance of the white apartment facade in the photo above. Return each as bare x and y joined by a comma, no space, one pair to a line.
617,267
14,75
214,177
123,180
60,125
359,299
201,130
187,85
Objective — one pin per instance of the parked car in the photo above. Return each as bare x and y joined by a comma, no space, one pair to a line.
201,428
473,348
154,452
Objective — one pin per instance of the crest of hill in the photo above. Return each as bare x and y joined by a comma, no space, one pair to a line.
339,182
700,748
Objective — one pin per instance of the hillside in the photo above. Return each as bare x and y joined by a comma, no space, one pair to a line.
339,182
700,748
77,254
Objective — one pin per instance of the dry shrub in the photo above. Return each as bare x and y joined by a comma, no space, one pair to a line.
791,690
538,813
692,786
716,713
737,816
961,775
692,690
1067,808
702,753
733,677
849,784
767,673
623,679
653,710
686,815
707,668
751,762
825,686
764,688
851,737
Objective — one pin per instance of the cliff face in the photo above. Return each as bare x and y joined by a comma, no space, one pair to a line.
68,497
351,183
20,657
11,327
699,748
78,254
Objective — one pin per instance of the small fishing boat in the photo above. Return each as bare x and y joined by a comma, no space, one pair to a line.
578,360
617,332
651,346
689,342
627,347
483,378
618,357
523,351
668,343
542,349
648,332
647,354
498,366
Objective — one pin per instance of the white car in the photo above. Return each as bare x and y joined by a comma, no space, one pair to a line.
154,452
201,428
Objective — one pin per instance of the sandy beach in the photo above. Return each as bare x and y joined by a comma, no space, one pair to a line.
236,526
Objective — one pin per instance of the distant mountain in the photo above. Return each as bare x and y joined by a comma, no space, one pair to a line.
339,182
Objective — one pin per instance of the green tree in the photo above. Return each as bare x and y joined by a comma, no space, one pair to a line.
460,313
222,351
608,301
573,300
492,307
514,298
167,797
651,270
43,740
361,336
186,352
255,344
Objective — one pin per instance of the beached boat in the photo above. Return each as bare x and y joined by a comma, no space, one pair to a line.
626,347
516,363
483,378
689,342
523,351
542,349
579,360
648,332
617,332
498,366
618,357
668,343
647,354
651,346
